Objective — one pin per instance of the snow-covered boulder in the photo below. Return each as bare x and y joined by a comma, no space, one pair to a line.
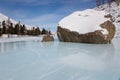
88,26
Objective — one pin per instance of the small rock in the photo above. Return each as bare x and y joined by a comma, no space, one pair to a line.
47,38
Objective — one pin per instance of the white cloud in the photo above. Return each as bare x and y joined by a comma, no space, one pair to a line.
51,26
42,18
48,21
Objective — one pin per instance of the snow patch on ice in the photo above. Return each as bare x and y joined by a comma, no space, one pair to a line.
18,39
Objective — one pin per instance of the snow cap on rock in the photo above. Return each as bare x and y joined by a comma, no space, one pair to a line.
84,21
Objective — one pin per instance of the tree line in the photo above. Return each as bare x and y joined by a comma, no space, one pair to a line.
100,2
7,27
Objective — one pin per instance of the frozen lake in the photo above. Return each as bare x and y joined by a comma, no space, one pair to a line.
33,60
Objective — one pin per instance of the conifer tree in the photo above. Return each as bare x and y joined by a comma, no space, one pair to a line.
0,29
11,29
24,31
37,31
33,31
17,29
43,31
4,30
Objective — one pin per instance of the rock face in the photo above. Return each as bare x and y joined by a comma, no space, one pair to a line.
96,37
47,38
110,28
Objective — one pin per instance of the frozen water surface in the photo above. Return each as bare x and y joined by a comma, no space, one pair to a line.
34,60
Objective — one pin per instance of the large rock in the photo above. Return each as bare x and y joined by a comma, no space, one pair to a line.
96,37
88,26
47,38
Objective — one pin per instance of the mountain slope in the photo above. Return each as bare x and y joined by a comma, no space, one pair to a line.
4,17
114,10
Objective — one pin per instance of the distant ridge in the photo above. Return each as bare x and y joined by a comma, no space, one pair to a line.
4,17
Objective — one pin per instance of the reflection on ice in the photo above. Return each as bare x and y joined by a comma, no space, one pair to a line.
106,50
84,61
91,57
10,46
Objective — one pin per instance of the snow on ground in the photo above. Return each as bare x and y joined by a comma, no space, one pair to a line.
18,39
84,21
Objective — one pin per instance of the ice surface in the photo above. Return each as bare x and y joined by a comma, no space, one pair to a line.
34,60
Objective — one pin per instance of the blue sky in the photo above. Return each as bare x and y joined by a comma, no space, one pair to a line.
42,13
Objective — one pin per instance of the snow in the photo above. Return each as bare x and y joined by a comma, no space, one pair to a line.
19,39
113,9
84,21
